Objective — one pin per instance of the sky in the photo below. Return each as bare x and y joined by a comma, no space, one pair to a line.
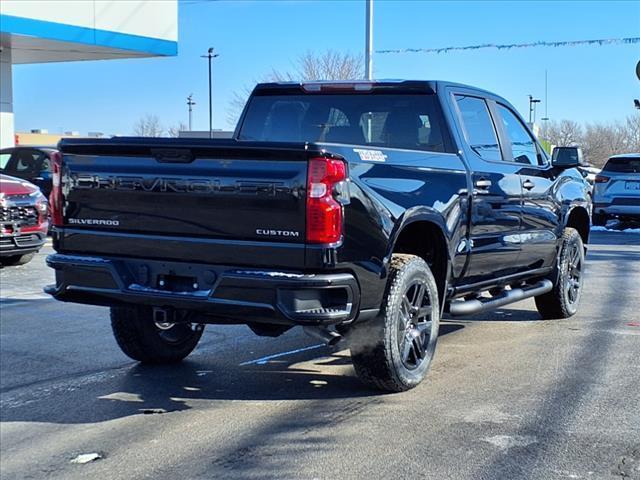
585,83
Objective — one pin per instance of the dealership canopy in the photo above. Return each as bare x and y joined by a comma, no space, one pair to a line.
39,31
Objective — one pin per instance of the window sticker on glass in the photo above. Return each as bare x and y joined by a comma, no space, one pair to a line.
370,155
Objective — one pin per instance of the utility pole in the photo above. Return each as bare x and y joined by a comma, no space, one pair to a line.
368,50
190,103
532,109
210,55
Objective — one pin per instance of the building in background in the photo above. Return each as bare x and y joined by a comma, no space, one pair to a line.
38,31
42,137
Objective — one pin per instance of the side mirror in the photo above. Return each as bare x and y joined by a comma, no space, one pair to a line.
566,157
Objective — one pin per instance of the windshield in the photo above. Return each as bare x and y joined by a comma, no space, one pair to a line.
384,120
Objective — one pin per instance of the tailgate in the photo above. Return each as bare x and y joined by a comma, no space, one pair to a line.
212,203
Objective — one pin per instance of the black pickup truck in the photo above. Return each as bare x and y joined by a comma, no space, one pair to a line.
358,210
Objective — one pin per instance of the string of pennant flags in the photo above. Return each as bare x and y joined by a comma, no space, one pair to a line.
508,46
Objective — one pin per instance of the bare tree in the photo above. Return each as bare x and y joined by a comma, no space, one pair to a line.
148,126
236,105
562,134
600,141
176,129
330,65
633,133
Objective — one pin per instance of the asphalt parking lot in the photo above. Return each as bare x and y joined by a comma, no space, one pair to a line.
509,396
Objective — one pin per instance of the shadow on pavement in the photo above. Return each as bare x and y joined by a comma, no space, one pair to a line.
318,374
503,315
576,381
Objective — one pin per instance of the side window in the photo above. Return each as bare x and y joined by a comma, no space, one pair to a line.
523,146
23,162
45,168
4,159
479,128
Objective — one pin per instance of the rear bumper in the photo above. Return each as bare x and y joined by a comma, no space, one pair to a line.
21,244
620,209
224,294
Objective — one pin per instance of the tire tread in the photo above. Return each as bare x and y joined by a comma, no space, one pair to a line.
133,333
552,304
374,366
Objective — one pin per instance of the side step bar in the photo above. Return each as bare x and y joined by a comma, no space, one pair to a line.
471,307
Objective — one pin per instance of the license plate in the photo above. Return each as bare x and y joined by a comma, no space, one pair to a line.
632,185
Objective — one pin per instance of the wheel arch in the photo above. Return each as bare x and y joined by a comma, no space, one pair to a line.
428,225
578,218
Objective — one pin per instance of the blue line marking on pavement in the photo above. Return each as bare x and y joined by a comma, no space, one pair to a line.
263,360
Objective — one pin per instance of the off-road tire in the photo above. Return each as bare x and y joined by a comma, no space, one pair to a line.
558,303
140,339
375,349
15,260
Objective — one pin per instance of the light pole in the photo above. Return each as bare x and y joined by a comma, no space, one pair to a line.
368,49
532,109
546,95
210,55
190,103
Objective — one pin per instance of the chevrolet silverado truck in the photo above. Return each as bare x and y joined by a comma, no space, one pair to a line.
362,211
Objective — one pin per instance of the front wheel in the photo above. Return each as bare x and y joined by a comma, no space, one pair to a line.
394,351
563,300
142,339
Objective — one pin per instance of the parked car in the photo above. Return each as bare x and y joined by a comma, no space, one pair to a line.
29,163
617,190
23,220
354,209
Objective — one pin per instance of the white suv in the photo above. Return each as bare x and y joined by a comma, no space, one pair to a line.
617,189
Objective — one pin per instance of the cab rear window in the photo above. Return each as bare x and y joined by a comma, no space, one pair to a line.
384,120
623,165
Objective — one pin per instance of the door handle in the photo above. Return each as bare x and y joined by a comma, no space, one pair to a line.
528,184
483,184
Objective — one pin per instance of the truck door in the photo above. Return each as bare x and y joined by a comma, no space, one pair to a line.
496,210
540,211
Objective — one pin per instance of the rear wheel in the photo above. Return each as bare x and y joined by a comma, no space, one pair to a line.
142,339
18,259
563,300
394,351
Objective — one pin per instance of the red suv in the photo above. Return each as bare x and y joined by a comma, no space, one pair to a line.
23,220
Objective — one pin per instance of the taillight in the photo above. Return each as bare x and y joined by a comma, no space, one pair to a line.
56,200
601,179
325,179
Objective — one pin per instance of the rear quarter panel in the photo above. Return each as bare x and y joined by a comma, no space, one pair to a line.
399,188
